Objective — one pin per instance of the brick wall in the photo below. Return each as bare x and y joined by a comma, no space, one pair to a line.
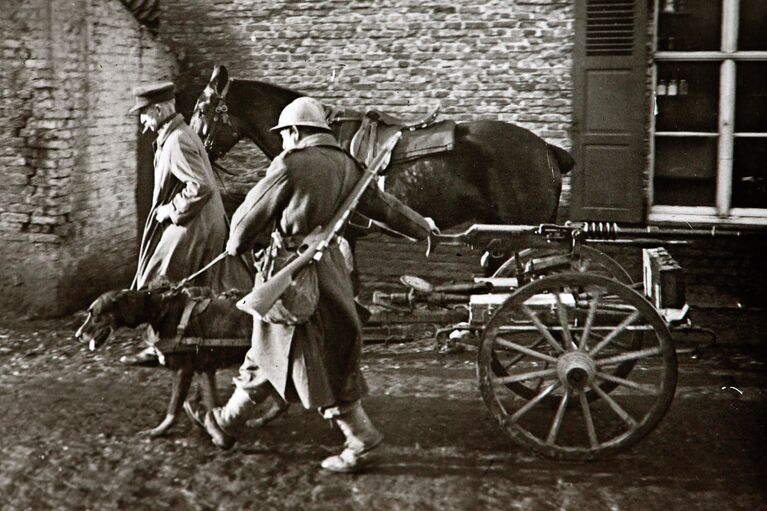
503,59
509,60
67,205
68,158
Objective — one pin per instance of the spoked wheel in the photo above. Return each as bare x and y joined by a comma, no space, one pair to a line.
537,263
580,318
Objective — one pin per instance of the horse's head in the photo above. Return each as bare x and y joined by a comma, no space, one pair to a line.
211,119
110,311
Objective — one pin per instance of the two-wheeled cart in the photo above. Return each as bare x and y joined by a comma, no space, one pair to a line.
574,361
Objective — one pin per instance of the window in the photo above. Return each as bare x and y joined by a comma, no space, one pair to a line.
709,143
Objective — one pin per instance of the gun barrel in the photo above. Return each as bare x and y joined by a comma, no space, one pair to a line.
672,232
479,232
593,231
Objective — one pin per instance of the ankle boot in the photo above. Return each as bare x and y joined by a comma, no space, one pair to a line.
361,438
222,424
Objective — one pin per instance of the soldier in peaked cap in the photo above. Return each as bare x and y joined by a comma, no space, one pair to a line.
186,227
317,362
153,93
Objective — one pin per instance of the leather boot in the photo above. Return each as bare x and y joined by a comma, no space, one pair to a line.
222,424
361,438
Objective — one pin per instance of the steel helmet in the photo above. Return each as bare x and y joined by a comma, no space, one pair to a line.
303,111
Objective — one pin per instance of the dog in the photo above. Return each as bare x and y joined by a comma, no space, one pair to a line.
209,317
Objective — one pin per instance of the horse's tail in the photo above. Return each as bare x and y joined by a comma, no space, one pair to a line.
565,161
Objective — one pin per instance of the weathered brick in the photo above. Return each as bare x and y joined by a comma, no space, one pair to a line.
14,217
66,135
48,219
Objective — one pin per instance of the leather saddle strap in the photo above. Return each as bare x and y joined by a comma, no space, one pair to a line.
195,306
359,138
372,140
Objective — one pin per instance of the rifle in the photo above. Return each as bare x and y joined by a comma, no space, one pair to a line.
263,297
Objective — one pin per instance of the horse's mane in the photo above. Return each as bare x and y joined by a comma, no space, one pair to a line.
250,86
259,105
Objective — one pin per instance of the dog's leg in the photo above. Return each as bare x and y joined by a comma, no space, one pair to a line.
209,391
182,379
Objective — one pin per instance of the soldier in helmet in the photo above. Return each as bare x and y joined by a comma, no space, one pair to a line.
316,363
186,227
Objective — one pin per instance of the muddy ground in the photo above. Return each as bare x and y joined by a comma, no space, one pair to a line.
70,419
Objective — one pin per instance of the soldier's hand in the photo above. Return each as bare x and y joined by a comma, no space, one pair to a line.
232,247
163,213
432,225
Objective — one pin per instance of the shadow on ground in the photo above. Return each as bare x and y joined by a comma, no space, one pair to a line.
71,417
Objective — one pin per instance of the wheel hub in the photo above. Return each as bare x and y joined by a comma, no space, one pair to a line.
575,369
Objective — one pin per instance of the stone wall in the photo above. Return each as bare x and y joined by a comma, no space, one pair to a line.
68,161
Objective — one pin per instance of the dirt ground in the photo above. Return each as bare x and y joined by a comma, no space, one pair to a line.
70,420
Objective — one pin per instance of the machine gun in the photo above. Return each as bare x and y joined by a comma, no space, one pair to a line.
573,233
530,251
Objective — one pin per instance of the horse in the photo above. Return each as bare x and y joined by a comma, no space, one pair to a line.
497,173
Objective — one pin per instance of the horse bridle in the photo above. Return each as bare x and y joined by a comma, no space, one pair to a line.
220,117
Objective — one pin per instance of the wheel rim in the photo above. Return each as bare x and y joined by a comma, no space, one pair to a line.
589,314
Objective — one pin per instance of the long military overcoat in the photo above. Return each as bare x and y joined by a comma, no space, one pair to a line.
303,188
197,229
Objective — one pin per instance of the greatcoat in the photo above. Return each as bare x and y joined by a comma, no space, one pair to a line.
196,232
317,362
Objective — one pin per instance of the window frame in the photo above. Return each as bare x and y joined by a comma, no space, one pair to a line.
728,56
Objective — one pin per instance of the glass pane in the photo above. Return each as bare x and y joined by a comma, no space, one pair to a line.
687,96
751,97
749,173
689,25
753,20
685,171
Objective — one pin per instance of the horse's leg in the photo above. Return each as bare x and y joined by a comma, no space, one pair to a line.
362,311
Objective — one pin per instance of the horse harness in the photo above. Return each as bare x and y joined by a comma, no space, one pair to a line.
220,116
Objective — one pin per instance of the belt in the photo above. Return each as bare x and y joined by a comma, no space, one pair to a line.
294,242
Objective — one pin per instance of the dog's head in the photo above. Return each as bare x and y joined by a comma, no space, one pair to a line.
110,311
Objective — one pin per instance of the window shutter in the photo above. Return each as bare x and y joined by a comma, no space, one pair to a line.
609,110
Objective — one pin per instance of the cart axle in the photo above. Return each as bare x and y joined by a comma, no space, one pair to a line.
576,369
